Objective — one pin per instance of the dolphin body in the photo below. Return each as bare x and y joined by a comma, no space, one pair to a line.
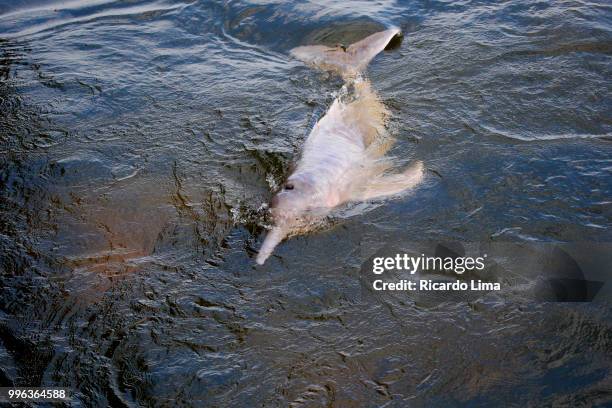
343,157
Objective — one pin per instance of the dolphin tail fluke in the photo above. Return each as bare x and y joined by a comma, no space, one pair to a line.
274,237
348,61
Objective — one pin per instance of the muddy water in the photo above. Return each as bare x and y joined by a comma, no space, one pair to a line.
139,140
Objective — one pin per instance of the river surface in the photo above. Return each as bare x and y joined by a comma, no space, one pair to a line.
140,140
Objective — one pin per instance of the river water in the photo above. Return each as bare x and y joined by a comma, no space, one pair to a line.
140,140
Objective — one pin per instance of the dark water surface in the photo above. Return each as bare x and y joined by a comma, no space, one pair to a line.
139,140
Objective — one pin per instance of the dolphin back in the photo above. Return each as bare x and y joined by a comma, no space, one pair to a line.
347,61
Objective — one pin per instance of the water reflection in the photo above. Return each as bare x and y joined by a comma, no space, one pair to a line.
139,141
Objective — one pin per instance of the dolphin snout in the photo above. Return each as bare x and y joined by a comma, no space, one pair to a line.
274,237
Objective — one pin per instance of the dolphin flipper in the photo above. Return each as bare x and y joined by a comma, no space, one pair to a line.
385,186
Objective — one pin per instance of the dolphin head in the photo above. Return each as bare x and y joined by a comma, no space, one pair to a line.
296,198
293,208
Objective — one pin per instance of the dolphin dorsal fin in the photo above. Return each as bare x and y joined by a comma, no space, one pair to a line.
347,61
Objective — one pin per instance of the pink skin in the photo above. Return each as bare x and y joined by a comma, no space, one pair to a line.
332,158
336,166
293,208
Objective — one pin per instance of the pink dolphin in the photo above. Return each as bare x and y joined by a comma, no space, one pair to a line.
343,157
